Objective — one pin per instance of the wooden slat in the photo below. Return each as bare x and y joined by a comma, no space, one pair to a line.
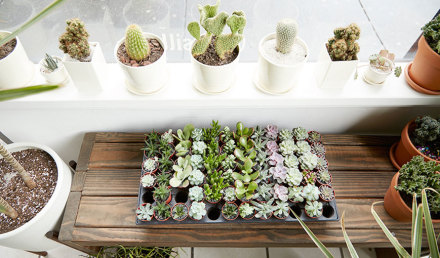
112,182
358,140
120,137
116,155
85,152
78,181
69,218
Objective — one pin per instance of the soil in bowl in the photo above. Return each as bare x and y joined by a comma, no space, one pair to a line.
7,48
28,203
210,57
156,52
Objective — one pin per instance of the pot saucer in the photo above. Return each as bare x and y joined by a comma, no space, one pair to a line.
415,86
392,156
200,89
263,89
370,82
133,90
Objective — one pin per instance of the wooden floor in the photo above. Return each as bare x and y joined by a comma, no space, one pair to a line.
101,206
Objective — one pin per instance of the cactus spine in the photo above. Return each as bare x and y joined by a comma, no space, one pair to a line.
7,209
136,44
14,163
286,32
343,46
74,40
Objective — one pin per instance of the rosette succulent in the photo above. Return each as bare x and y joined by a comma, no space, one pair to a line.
197,134
296,193
324,177
145,212
287,147
272,147
197,210
318,149
229,194
197,161
294,177
196,177
199,147
310,192
227,177
264,210
195,193
308,161
246,210
327,193
314,136
182,170
258,133
281,209
184,140
150,164
148,180
168,136
291,161
229,162
230,210
302,147
275,159
322,163
279,173
229,147
264,192
300,133
271,132
280,192
285,134
313,208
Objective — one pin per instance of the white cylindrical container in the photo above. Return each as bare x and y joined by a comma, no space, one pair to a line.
145,79
16,70
58,76
213,79
375,76
31,236
277,78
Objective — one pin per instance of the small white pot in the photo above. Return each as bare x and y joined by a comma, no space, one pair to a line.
213,79
277,78
87,76
31,236
145,79
58,76
333,74
16,70
374,76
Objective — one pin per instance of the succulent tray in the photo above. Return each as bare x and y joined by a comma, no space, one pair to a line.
265,171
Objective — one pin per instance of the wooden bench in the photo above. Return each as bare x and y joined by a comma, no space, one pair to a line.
101,207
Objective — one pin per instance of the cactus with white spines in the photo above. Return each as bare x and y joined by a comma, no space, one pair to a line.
136,45
286,32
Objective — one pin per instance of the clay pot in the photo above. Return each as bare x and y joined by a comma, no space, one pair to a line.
226,218
405,149
425,69
246,218
187,211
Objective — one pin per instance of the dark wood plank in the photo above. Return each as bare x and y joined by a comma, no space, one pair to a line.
105,182
85,152
120,137
92,250
358,140
78,181
116,155
69,218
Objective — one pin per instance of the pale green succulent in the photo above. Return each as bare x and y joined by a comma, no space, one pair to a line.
196,193
197,161
197,134
148,180
308,161
285,134
145,212
313,208
287,147
197,210
168,136
227,177
302,147
182,170
150,164
300,133
291,161
327,192
295,193
246,210
324,176
310,192
196,177
281,209
294,177
229,147
199,147
264,210
229,194
229,162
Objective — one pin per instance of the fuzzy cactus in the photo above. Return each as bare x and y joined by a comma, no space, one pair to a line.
343,46
74,40
136,44
214,23
285,35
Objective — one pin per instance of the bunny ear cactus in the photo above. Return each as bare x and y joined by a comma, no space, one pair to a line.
74,40
227,43
136,44
286,32
343,46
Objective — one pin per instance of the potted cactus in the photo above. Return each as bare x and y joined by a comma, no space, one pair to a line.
338,59
381,65
142,58
53,70
215,55
230,211
281,58
83,60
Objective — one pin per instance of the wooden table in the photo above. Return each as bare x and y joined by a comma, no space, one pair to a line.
101,206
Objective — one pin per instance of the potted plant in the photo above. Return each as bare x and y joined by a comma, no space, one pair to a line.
229,162
148,180
245,184
264,192
411,179
83,60
296,194
152,143
141,57
324,177
310,192
246,211
380,67
196,177
163,178
313,209
287,147
182,170
281,57
264,210
179,211
197,210
318,149
418,138
145,212
150,165
422,73
230,211
195,194
162,211
229,194
338,59
215,55
165,163
281,209
294,177
280,192
197,162
162,193
308,161
326,193
313,137
214,186
53,70
184,145
43,213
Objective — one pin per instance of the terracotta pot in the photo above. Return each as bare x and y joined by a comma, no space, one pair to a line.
312,216
168,200
425,69
405,149
320,195
236,216
158,219
187,211
248,218
148,187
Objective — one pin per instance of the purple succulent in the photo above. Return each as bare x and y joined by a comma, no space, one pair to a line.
279,172
275,158
271,132
281,192
272,147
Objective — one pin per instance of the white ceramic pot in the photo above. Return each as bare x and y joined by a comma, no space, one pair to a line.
58,76
374,76
87,76
31,236
145,79
333,74
277,78
16,70
213,79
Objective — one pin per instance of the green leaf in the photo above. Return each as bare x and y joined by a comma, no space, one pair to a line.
253,176
21,92
252,155
239,128
239,154
187,130
239,184
312,236
237,176
248,165
350,246
252,186
433,246
246,178
243,141
416,238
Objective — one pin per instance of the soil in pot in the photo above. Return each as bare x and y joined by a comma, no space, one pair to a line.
7,48
28,203
296,55
408,201
211,58
156,52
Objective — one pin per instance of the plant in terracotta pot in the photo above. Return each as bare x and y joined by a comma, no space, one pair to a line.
326,193
422,73
145,212
182,170
281,58
264,210
150,165
83,60
215,55
162,193
338,59
281,210
141,57
214,186
162,211
230,211
179,211
419,137
53,70
246,211
411,179
197,210
148,180
196,177
195,194
229,194
381,65
313,209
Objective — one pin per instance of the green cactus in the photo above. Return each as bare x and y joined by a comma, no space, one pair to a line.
214,24
49,63
285,35
136,45
74,40
343,46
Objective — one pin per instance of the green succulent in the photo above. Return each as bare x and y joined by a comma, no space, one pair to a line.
230,210
163,210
